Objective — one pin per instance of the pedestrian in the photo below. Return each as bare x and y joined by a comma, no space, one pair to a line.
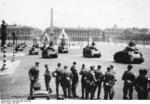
66,80
128,78
141,84
75,79
58,80
109,82
34,76
83,72
90,83
47,77
3,33
99,77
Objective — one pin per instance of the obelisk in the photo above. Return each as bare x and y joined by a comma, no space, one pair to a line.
51,28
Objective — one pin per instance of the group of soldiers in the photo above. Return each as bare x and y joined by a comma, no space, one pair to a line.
91,80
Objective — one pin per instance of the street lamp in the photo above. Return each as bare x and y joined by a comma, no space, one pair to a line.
14,37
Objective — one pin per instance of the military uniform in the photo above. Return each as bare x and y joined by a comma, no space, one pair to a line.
66,80
99,77
47,77
90,84
75,80
33,74
84,73
128,78
58,80
141,85
109,82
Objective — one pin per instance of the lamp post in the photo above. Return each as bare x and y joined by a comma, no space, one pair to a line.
3,43
14,37
4,58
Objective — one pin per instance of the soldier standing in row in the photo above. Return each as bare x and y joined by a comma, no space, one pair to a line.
109,82
128,78
90,83
47,77
83,74
75,79
58,80
99,77
33,75
66,80
141,84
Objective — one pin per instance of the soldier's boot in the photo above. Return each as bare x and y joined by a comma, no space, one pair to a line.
65,92
125,93
99,92
69,93
131,93
112,93
82,93
57,92
92,95
106,91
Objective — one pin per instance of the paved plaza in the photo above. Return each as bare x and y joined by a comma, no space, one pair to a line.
16,84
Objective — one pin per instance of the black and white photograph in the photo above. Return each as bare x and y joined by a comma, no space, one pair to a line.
74,50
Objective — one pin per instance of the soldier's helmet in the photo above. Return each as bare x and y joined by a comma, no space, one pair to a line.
130,66
37,63
46,65
74,63
92,67
93,43
83,65
131,43
59,64
143,71
108,68
3,21
99,66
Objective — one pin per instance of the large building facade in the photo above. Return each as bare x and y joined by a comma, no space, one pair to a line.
79,34
24,33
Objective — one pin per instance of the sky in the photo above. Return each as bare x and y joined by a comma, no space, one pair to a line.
74,13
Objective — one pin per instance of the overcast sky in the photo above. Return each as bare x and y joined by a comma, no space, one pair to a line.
74,13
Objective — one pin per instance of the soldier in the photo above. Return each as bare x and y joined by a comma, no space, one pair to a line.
90,83
33,75
83,73
93,45
141,84
99,77
50,47
47,77
109,82
3,33
66,80
58,80
75,79
128,78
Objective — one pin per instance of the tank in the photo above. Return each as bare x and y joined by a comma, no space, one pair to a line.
49,53
62,48
19,48
92,52
129,55
33,51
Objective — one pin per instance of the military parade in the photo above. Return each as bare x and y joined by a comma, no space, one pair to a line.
73,63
